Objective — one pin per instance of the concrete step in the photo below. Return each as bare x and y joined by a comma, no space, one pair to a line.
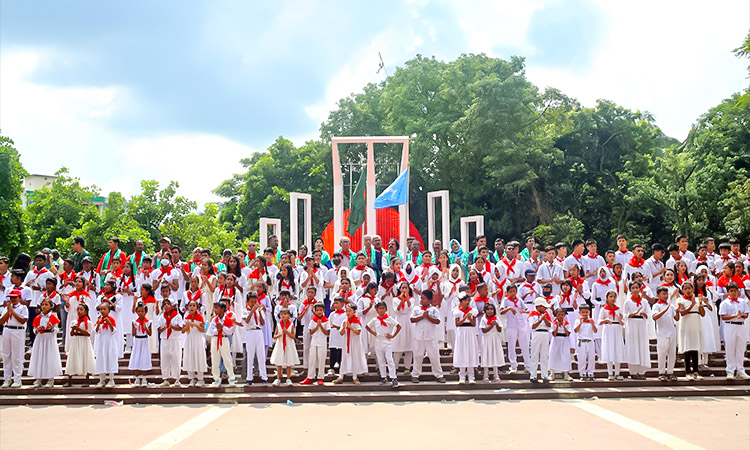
369,394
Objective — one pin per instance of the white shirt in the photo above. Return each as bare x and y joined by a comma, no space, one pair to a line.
424,330
730,308
623,257
20,309
319,338
335,319
586,331
255,319
382,330
226,331
547,271
592,264
161,321
665,325
651,267
39,280
572,259
517,320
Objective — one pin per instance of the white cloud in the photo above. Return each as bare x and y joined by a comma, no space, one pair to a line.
54,127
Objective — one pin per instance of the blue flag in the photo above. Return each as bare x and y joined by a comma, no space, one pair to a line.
395,194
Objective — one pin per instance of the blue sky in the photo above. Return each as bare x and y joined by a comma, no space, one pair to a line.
124,91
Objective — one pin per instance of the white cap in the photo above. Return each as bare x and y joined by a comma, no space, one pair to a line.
541,301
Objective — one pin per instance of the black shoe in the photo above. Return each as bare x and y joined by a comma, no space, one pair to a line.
441,380
249,383
414,380
545,380
533,380
264,382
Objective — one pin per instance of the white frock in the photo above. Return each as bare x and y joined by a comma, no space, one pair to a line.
466,350
140,355
403,342
613,347
284,356
492,345
637,349
194,350
105,350
81,354
73,315
45,354
710,324
560,359
353,361
689,328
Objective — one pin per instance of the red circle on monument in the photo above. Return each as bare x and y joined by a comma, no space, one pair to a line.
387,226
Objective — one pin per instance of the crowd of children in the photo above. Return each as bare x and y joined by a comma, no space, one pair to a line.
396,308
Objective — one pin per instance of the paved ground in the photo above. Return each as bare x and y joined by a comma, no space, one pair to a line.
681,423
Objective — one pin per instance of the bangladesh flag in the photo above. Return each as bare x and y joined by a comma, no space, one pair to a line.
357,205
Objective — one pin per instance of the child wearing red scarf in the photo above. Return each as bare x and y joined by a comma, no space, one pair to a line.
220,328
81,353
169,325
428,330
384,328
734,313
466,350
284,353
637,310
105,347
353,360
613,347
318,328
140,356
492,343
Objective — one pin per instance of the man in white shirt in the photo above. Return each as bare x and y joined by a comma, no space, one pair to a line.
549,272
622,255
654,267
592,262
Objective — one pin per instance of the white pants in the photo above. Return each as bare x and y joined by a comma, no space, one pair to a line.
666,354
217,354
520,336
408,359
317,364
539,353
305,348
13,353
255,347
384,355
586,356
170,356
431,348
735,341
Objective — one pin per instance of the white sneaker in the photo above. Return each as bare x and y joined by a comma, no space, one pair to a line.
216,383
37,383
276,382
472,381
567,377
232,382
461,380
177,384
100,384
192,382
512,370
742,376
200,383
289,382
111,383
50,383
7,383
16,384
164,383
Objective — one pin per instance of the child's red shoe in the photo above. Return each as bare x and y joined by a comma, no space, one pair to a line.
307,381
320,382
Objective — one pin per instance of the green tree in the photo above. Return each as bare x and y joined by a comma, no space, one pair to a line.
114,221
201,230
59,209
153,208
12,229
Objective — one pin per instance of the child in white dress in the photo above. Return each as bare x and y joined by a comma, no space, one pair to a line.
402,343
366,308
45,354
613,347
194,352
586,332
284,351
690,329
560,349
466,351
81,353
140,355
636,310
105,347
492,343
353,361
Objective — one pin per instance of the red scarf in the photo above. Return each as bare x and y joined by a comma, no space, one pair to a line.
734,300
284,327
39,272
77,294
382,319
196,317
537,313
612,310
164,270
576,281
681,279
53,320
126,282
352,319
261,297
636,262
226,322
465,311
110,321
500,286
46,295
509,264
617,281
83,319
514,301
661,302
169,322
149,299
197,296
603,283
223,292
491,320
592,255
323,319
65,276
254,275
142,323
481,299
565,298
637,300
401,306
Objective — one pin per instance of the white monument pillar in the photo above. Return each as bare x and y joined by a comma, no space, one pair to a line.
444,197
465,221
294,198
265,222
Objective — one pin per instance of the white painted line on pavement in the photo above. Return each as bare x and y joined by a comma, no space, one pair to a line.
644,430
185,430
